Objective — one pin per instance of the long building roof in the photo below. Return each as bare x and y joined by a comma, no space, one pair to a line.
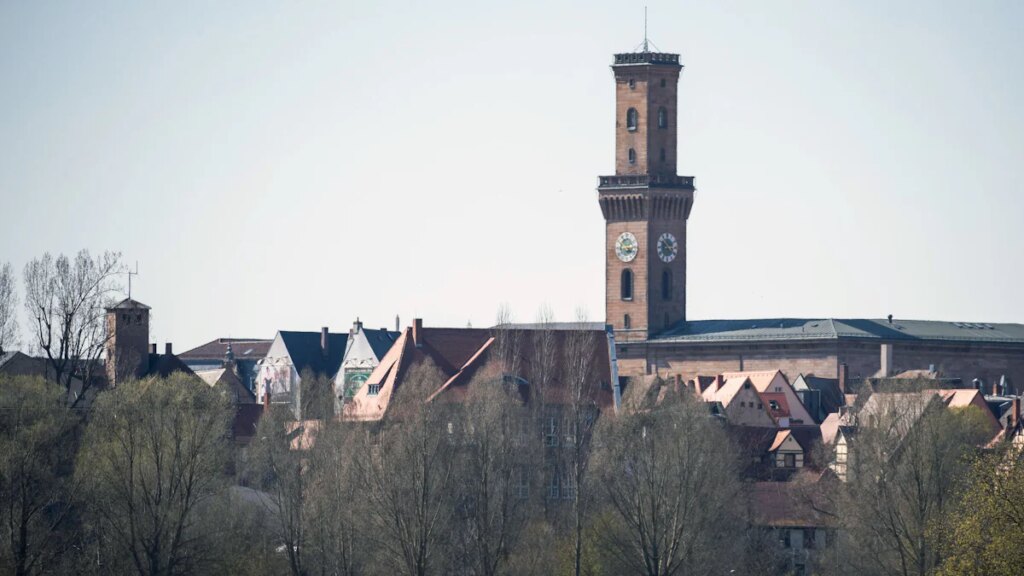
776,329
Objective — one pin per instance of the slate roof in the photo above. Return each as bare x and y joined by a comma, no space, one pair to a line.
242,348
380,341
164,365
831,396
304,350
775,329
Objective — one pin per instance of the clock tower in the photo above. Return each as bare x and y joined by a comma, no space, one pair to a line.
645,204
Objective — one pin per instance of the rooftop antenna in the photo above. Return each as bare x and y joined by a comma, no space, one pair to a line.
130,274
645,28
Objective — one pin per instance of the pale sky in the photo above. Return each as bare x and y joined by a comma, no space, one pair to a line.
291,165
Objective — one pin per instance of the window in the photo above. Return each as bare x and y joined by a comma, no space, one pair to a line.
666,284
522,484
627,284
743,404
662,154
568,431
568,486
760,406
553,485
632,83
662,82
632,119
772,404
373,389
789,460
551,431
626,322
662,117
632,156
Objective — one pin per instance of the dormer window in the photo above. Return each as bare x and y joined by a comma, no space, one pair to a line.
632,119
772,404
662,117
632,156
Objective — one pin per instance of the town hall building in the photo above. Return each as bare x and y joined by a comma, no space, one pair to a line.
646,205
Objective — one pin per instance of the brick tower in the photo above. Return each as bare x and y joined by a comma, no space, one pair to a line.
127,341
645,204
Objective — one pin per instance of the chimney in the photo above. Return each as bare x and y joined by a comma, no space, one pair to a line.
718,382
152,348
266,401
167,349
979,385
890,318
886,360
844,374
417,332
995,388
677,385
323,341
357,326
1014,419
398,324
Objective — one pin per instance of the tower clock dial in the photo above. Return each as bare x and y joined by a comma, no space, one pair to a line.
668,247
626,247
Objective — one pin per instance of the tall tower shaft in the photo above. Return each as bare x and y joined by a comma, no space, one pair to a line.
645,204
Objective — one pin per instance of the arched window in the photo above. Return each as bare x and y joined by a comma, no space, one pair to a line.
632,119
626,322
632,156
627,284
662,117
666,284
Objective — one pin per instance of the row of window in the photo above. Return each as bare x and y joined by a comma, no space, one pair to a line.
632,83
633,119
632,155
626,284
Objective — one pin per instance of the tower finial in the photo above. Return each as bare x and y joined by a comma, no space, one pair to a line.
645,28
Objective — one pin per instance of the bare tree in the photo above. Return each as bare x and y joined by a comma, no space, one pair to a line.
8,309
580,381
409,478
337,541
668,480
495,463
65,300
908,460
154,454
279,471
37,492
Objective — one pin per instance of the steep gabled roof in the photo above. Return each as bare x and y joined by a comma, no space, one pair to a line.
380,340
306,353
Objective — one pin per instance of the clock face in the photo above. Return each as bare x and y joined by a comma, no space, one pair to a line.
667,247
626,247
